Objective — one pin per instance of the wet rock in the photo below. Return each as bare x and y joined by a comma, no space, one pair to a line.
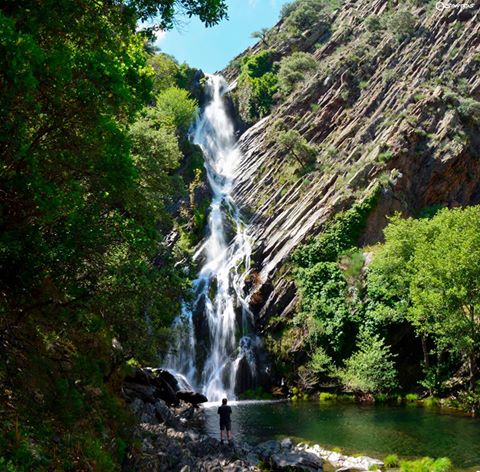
166,376
137,406
191,397
267,449
296,461
150,385
286,443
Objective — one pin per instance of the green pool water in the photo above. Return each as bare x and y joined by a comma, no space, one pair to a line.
407,431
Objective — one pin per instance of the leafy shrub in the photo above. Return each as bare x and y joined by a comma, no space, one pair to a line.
326,396
391,461
373,23
256,65
471,400
381,398
340,235
427,464
385,156
469,108
294,69
371,368
175,107
302,15
257,85
411,397
402,24
322,290
321,363
165,68
431,402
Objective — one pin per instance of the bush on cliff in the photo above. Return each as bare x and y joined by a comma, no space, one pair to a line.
296,148
303,15
257,84
295,69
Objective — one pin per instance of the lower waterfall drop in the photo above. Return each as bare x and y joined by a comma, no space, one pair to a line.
208,351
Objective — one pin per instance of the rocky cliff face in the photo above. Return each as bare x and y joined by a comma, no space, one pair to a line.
386,109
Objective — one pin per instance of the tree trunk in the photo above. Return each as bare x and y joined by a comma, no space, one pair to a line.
472,367
426,359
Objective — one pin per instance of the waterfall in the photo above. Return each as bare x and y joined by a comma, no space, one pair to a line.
212,332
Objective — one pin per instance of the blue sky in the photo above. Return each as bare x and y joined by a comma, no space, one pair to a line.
210,49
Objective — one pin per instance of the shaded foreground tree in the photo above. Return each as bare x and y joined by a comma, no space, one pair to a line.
81,220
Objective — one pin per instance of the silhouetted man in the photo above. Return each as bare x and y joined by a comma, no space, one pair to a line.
225,423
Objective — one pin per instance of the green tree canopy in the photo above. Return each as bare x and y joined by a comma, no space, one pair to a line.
257,85
302,15
83,253
434,267
294,146
371,368
175,108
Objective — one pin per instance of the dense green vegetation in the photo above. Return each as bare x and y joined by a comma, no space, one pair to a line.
427,464
428,270
87,185
423,280
302,15
257,84
266,78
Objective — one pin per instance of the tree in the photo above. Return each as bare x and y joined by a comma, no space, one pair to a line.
83,256
295,69
303,15
402,24
293,145
434,266
261,35
324,311
257,85
371,368
165,68
210,12
175,108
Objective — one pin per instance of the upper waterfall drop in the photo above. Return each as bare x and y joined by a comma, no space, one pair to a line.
209,350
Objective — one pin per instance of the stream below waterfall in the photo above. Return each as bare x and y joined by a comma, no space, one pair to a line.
379,430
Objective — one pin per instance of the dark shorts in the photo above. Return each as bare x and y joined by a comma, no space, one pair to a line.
225,425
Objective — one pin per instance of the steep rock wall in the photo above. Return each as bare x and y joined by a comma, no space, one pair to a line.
385,111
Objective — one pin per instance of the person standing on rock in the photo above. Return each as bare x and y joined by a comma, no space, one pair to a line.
225,422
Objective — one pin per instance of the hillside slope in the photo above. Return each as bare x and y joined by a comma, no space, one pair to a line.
393,105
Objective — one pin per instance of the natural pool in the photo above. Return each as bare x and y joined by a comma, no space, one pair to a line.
373,430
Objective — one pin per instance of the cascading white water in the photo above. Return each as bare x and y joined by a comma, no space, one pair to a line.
220,283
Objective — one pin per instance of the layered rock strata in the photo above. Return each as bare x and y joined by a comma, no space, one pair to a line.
385,110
